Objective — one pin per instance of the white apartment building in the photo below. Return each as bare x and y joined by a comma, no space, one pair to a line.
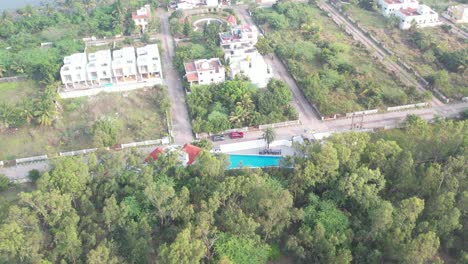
99,68
142,17
243,57
458,13
423,16
124,64
149,62
409,12
73,71
390,7
205,71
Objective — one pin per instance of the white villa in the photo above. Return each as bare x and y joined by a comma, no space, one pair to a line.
189,4
409,12
458,13
205,71
149,62
99,68
142,17
124,64
243,57
73,70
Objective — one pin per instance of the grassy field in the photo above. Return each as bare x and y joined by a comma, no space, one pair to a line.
399,41
14,92
304,56
137,115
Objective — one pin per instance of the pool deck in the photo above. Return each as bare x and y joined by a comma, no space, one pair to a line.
285,151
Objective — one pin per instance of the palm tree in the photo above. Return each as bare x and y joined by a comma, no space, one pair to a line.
269,135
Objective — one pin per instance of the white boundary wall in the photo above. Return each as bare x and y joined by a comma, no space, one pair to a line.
31,159
162,141
77,152
404,107
366,112
281,124
119,87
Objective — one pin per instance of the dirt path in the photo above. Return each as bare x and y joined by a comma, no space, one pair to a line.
181,127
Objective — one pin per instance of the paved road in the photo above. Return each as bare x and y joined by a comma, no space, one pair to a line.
307,114
182,130
381,54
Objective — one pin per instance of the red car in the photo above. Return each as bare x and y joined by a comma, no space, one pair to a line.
236,134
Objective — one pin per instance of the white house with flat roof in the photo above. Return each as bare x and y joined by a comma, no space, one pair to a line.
73,70
458,13
205,71
149,62
124,64
99,68
239,50
390,7
423,16
410,12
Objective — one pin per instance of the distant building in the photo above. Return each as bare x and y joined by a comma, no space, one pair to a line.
239,50
410,12
423,16
73,70
205,71
99,67
142,17
189,4
458,13
390,7
124,64
245,34
149,62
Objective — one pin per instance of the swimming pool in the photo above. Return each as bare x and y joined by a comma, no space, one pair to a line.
253,161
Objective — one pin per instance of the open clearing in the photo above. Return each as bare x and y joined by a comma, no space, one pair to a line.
136,114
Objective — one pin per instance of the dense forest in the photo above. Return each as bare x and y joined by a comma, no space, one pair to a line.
396,196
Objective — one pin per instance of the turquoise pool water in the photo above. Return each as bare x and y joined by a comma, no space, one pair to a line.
253,161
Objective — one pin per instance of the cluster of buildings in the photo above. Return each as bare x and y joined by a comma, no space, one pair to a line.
241,55
410,12
101,68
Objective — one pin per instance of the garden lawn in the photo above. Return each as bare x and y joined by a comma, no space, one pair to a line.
14,92
137,115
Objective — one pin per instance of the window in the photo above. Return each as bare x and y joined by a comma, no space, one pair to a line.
212,80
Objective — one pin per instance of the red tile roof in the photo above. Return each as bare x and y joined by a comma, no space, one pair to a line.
192,152
154,155
232,20
192,77
409,12
190,67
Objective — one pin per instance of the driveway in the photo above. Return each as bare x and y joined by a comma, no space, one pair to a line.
181,127
308,116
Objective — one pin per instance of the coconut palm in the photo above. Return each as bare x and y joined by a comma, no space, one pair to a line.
269,135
